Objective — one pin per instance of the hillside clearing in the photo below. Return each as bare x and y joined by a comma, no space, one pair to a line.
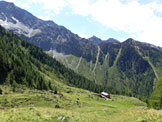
76,105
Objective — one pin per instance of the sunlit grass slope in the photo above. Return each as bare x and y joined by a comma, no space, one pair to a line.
76,105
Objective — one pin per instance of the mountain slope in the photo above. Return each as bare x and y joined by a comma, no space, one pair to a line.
16,64
131,67
25,64
45,34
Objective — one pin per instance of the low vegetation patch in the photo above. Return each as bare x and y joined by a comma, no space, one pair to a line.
75,106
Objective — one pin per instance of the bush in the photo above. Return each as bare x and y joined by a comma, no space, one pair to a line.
155,100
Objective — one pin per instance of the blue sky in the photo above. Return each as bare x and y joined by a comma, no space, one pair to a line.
120,19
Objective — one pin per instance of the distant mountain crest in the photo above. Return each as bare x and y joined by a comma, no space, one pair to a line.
98,41
112,40
95,39
153,46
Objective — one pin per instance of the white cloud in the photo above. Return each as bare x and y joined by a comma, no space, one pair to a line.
138,20
67,13
80,7
56,5
10,1
23,4
44,17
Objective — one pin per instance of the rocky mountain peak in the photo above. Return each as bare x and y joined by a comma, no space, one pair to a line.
130,41
112,40
95,39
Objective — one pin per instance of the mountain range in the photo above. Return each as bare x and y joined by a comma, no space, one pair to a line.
98,41
130,66
24,64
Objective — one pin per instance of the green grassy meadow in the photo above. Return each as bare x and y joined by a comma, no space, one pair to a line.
76,105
